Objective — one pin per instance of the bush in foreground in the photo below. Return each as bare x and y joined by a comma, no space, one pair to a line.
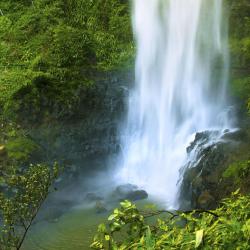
227,227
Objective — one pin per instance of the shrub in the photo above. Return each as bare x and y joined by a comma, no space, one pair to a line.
227,227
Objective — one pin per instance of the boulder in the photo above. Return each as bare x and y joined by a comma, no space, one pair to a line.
202,176
100,207
137,195
125,189
129,192
91,197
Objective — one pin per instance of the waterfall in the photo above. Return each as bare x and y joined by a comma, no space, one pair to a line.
180,89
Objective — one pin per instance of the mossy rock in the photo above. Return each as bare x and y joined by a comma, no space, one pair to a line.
20,149
212,170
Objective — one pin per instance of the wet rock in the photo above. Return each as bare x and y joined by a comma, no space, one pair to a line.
206,200
88,139
210,155
137,195
52,210
92,197
129,192
125,189
238,135
201,138
100,207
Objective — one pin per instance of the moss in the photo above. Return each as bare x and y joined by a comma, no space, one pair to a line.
241,90
20,149
240,50
15,145
238,171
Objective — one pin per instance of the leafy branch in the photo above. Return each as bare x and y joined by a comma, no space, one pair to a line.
21,202
227,227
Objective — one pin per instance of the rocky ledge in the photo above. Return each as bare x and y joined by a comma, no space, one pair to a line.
210,154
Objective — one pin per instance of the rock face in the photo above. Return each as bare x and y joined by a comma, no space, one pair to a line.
202,182
83,144
91,134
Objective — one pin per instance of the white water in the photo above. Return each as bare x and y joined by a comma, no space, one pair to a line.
178,90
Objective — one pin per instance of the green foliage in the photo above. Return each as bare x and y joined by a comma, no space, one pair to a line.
21,201
20,149
239,32
238,171
64,42
241,89
227,227
23,187
240,49
104,20
127,218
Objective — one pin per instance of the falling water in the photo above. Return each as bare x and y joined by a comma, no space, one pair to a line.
181,75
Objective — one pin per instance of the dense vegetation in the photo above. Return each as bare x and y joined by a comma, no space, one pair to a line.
21,200
240,49
227,227
51,53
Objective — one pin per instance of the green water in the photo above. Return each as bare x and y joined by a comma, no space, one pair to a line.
72,231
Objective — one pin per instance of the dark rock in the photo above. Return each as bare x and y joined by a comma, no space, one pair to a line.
100,207
92,197
206,200
125,189
209,155
137,195
52,210
91,132
238,135
201,138
129,192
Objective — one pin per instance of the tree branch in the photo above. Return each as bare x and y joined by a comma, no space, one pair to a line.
30,222
177,213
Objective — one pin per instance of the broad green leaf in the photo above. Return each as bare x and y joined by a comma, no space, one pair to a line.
101,228
107,237
199,238
112,216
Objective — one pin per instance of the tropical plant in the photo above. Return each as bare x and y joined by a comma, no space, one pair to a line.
227,227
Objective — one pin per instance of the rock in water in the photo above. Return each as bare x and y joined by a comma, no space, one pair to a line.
92,197
137,195
123,190
130,192
100,207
